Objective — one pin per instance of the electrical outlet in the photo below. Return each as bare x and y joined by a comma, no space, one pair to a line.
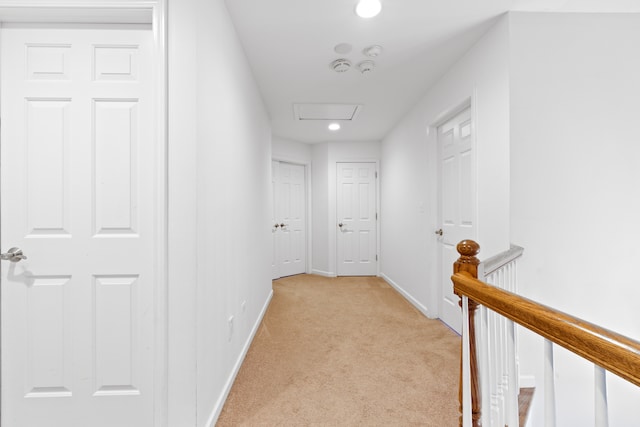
243,306
230,327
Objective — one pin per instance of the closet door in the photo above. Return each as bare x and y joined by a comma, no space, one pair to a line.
357,241
289,225
78,197
275,222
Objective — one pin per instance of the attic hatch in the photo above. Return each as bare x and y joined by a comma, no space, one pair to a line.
346,112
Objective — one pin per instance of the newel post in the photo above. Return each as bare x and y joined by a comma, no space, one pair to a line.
468,262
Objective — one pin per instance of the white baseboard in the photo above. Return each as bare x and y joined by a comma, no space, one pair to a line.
407,296
323,273
217,409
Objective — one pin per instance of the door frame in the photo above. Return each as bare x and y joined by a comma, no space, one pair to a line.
333,210
447,114
307,204
130,12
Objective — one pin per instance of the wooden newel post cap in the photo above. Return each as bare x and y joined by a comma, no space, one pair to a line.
468,249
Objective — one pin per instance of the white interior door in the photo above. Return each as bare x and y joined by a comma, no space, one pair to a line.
357,243
289,227
78,173
457,205
275,222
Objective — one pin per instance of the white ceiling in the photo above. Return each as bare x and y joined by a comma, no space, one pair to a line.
290,44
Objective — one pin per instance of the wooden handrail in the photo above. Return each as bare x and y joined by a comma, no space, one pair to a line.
614,352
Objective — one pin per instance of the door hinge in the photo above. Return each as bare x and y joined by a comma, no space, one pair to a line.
376,216
376,174
376,257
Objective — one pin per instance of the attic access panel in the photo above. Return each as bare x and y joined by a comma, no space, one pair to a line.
346,112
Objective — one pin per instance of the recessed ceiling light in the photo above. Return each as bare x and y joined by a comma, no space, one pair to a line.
334,126
368,8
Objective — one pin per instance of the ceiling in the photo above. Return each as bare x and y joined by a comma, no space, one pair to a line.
290,46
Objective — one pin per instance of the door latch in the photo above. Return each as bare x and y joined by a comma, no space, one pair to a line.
13,255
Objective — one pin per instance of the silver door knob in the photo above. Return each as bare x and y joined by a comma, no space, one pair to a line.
340,225
439,232
13,255
277,225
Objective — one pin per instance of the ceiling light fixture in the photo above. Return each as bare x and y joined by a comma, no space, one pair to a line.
368,8
334,126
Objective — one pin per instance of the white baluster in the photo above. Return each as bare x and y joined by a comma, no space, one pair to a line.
491,370
513,418
514,289
466,365
601,406
549,386
484,356
503,379
495,400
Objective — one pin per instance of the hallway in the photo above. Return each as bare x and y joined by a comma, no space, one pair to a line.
345,351
232,86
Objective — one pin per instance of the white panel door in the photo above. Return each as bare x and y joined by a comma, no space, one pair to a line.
457,204
357,244
290,222
78,168
275,222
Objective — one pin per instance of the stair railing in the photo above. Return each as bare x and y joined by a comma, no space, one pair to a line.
607,350
497,346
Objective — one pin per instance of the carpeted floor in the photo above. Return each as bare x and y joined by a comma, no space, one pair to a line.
348,351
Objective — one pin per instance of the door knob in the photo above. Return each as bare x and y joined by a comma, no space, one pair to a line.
282,225
13,255
277,225
439,232
340,225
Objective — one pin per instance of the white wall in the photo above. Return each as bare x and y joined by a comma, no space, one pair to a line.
234,164
320,209
575,204
220,153
409,170
182,219
324,159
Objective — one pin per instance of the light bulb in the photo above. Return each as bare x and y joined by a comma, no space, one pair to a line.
368,8
334,126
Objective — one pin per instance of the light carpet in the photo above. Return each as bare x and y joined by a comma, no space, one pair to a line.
348,351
